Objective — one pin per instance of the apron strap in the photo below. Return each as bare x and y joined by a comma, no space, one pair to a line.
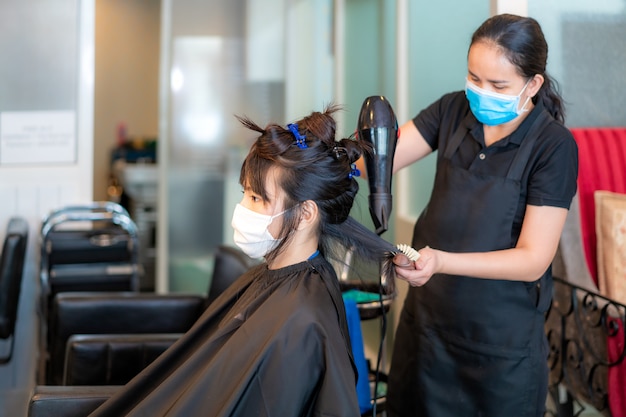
530,138
521,159
458,135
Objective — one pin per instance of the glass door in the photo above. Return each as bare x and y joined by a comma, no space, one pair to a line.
269,60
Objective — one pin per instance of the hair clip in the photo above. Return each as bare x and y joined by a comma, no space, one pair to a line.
354,172
339,151
300,139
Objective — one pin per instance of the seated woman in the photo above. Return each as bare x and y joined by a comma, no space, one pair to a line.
276,342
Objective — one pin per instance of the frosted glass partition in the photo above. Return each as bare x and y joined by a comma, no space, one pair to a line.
439,36
587,43
29,40
221,59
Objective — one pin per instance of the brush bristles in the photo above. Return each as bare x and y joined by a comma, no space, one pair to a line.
411,253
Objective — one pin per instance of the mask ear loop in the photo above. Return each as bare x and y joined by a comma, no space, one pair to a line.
282,212
273,216
524,109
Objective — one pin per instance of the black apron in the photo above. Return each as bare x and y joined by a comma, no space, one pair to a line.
465,346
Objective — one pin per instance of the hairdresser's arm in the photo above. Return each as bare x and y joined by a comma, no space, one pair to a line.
527,261
411,146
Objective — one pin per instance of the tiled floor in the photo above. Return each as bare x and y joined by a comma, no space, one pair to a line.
589,413
584,410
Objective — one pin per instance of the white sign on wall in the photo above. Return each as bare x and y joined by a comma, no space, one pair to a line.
37,137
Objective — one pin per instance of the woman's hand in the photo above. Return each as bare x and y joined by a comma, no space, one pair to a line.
527,261
419,272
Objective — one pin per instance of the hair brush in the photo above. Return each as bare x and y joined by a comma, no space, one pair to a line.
405,256
401,256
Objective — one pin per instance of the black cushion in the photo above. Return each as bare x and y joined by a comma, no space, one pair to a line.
230,264
110,243
48,401
117,313
111,359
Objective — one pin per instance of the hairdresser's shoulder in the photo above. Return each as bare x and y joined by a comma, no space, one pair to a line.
449,103
557,133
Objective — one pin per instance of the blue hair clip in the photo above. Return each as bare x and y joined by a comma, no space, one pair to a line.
354,172
300,139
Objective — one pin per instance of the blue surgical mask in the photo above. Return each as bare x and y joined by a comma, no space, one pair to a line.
492,108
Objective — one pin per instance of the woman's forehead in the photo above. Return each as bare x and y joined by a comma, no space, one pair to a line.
488,60
272,188
268,187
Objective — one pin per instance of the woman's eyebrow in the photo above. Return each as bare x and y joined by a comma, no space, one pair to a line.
491,81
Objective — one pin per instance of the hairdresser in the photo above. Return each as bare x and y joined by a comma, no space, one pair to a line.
470,341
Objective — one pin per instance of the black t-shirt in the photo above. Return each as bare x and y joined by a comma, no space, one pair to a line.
549,178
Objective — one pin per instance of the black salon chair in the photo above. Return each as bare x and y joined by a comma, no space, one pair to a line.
98,313
92,247
109,331
11,272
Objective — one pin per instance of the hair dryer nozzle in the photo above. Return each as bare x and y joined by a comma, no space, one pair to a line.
380,210
378,125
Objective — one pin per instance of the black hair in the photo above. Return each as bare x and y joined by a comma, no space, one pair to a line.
322,172
523,43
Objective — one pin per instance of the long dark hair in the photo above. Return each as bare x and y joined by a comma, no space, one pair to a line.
523,43
322,172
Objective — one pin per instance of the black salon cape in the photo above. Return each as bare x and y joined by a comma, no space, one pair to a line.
275,343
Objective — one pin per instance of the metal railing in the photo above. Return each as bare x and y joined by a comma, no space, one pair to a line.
586,338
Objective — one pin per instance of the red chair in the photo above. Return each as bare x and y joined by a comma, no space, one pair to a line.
602,158
585,326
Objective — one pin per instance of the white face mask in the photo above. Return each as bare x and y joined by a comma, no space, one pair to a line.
251,233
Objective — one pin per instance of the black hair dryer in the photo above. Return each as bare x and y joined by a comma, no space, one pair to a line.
378,125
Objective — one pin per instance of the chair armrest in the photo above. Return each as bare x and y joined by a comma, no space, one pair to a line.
50,400
111,359
11,271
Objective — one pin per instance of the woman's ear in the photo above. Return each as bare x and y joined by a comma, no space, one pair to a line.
309,214
535,85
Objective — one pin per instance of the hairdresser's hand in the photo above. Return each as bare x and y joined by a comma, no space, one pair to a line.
419,272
